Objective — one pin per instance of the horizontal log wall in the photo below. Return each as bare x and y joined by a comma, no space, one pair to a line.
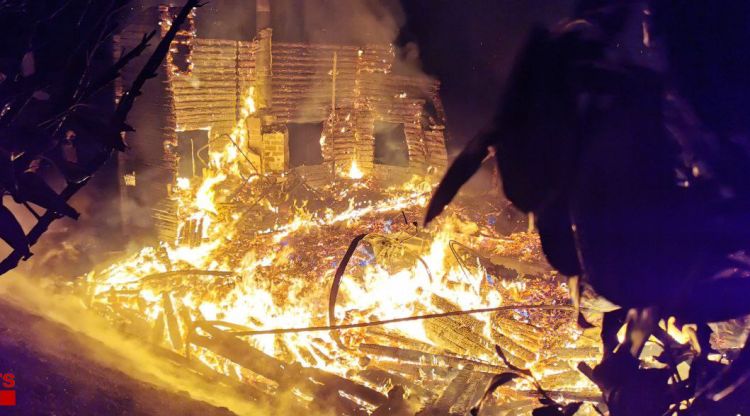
212,94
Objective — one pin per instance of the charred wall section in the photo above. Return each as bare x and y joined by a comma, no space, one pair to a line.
147,166
347,88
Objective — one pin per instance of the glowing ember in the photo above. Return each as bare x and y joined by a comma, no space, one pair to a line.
354,172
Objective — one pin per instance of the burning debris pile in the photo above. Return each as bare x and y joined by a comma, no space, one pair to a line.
413,316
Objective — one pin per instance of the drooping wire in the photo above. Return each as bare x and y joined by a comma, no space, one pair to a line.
321,328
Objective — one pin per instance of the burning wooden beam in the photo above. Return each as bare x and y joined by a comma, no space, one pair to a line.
413,356
381,377
173,329
311,380
452,335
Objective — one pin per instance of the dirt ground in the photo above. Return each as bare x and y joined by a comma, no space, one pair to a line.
60,378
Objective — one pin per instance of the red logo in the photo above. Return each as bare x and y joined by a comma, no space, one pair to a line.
8,392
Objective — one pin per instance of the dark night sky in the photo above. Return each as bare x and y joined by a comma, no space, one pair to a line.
469,46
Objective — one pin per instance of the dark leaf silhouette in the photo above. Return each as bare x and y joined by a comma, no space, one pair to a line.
551,410
34,189
33,131
611,323
505,360
340,270
497,381
27,64
555,410
630,390
570,409
583,323
555,231
464,167
547,402
732,377
12,233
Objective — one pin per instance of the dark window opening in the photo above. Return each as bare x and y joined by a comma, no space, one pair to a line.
390,144
191,146
181,54
304,144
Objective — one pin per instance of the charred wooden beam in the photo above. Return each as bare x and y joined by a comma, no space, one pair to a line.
173,328
415,371
189,272
510,346
211,375
462,393
378,376
519,329
246,356
382,336
557,381
465,320
454,390
506,408
456,337
158,332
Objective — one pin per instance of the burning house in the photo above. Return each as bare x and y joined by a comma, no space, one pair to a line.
319,110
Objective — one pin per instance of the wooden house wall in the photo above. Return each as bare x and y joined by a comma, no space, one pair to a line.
212,94
366,90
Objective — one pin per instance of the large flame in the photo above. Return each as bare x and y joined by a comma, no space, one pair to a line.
277,275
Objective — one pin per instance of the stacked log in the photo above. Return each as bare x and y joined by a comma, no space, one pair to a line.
213,93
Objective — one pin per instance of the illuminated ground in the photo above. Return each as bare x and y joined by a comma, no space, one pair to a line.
56,373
